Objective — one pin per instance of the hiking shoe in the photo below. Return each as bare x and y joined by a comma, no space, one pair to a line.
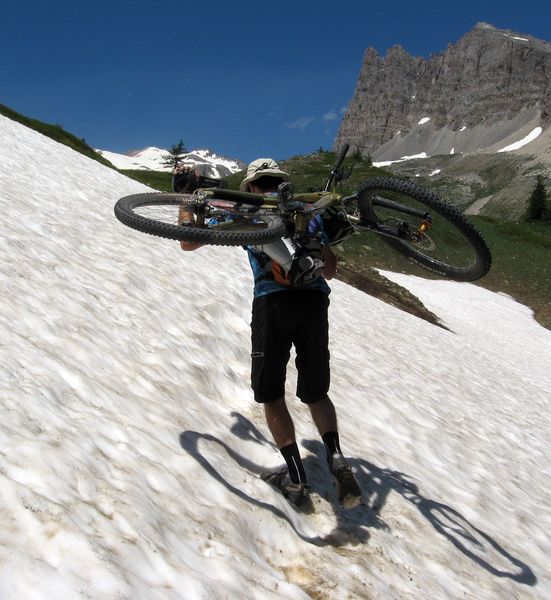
348,490
296,493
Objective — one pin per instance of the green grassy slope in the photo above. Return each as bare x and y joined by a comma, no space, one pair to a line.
155,179
522,263
55,132
312,170
158,180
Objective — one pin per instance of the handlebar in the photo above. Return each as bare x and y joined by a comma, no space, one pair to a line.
341,156
335,172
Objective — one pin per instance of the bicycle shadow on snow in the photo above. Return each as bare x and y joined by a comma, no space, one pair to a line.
352,526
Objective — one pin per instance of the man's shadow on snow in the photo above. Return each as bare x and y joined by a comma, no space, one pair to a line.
348,530
377,483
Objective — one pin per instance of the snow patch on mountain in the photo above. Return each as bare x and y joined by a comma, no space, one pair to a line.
151,159
385,163
535,133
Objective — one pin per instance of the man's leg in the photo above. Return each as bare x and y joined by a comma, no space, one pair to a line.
325,418
312,362
271,346
311,342
280,422
324,415
282,429
291,481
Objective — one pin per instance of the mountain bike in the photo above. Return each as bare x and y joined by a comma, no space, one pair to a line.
409,218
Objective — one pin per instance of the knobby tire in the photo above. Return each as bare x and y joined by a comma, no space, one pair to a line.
126,211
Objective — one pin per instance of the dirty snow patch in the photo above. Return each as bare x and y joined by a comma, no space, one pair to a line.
424,120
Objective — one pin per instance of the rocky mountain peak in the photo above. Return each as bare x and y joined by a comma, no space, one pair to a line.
397,53
482,25
491,85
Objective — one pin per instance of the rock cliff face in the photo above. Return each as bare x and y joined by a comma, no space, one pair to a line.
487,90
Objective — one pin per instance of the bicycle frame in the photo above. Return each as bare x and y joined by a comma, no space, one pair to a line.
299,209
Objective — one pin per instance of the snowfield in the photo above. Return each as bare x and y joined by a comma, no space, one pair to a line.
130,442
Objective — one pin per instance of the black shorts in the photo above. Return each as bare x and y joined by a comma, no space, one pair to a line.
280,320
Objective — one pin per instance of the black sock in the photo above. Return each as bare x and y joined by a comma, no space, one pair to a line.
331,441
294,462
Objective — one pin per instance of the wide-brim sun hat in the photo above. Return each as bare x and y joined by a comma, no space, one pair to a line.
262,167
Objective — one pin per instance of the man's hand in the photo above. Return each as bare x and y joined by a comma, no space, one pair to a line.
336,225
190,246
330,262
185,179
311,245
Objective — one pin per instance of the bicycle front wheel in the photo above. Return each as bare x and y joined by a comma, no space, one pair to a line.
424,228
188,218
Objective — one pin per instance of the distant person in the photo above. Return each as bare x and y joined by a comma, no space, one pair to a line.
290,308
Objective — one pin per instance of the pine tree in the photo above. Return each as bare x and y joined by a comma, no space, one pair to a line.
174,154
536,203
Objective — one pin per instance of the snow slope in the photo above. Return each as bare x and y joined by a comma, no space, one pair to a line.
129,438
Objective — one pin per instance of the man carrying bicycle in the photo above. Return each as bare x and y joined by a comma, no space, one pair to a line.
291,298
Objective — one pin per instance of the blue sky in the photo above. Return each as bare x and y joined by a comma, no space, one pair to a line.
246,79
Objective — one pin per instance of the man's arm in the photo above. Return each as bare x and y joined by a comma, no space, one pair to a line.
188,246
330,268
185,216
186,180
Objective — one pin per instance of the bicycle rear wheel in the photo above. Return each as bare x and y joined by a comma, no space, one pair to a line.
446,242
190,218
